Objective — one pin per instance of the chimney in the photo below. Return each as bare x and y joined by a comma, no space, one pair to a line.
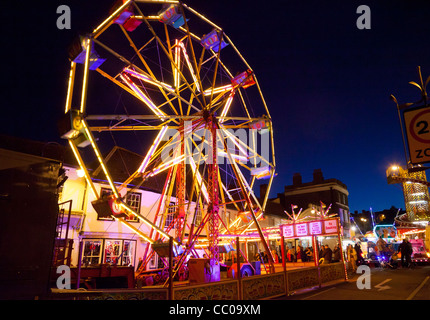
318,176
297,179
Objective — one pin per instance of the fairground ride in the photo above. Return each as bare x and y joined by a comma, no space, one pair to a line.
415,191
160,71
413,177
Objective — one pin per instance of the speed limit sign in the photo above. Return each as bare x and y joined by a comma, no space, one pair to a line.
417,126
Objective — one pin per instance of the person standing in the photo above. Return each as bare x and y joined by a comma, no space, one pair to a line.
360,259
409,253
405,249
381,245
299,254
309,253
336,253
327,255
352,257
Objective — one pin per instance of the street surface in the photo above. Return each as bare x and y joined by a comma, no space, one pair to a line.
385,284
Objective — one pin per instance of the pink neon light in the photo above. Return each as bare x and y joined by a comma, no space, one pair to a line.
148,79
189,65
157,140
199,178
143,97
227,106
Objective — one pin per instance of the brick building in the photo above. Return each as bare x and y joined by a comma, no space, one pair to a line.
327,191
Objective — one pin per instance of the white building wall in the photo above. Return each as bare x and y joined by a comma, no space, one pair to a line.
86,225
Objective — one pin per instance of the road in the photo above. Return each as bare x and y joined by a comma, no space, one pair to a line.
384,284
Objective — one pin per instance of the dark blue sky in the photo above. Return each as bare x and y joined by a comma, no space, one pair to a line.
327,83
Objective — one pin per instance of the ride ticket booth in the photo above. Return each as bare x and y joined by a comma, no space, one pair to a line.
315,233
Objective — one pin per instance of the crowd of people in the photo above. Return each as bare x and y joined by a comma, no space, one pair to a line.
383,251
353,255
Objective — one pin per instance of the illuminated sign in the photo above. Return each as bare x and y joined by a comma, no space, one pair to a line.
386,231
315,228
310,228
288,231
330,226
301,229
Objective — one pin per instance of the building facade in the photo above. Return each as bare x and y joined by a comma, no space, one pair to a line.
323,194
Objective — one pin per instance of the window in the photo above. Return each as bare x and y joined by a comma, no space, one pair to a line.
115,251
112,251
128,253
92,252
133,200
171,210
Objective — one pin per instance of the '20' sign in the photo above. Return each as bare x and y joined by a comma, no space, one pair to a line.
417,123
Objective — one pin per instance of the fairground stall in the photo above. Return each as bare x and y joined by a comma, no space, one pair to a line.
313,233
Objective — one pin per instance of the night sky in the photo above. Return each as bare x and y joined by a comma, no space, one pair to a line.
327,83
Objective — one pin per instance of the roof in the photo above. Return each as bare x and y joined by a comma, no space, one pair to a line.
274,209
50,150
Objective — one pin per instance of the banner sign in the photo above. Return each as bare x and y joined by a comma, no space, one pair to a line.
301,229
310,228
330,226
287,230
386,231
315,228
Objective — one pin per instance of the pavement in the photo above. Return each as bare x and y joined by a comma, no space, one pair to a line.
378,284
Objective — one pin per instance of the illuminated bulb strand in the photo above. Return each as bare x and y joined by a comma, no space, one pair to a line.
106,23
236,143
220,151
166,166
294,217
140,233
70,86
176,78
226,107
222,89
190,66
83,168
85,79
143,97
144,220
151,151
199,179
148,79
99,157
241,145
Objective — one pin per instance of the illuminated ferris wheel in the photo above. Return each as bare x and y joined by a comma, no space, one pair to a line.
159,71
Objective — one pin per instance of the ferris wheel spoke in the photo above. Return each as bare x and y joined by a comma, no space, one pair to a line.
166,51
